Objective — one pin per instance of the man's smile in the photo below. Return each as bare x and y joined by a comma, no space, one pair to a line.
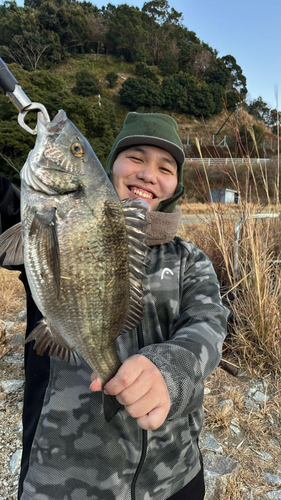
138,191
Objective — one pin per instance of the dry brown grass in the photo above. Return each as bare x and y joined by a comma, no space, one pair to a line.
12,295
12,301
247,260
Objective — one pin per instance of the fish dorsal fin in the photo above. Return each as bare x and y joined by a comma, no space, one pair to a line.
44,230
135,220
44,339
11,244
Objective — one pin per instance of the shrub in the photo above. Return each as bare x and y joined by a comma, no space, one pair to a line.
87,84
141,92
111,79
146,72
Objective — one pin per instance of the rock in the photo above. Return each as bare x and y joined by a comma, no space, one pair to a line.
15,461
272,478
211,444
226,402
10,325
218,464
22,316
217,471
210,485
11,385
206,391
274,495
20,427
15,358
251,405
260,397
18,339
257,391
260,385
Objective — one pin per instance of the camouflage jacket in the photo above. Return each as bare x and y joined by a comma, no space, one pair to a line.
77,455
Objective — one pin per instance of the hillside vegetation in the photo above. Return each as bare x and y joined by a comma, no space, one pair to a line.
98,64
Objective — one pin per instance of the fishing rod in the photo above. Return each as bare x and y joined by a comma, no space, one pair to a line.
13,90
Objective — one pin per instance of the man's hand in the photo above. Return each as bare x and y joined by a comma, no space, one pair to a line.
140,387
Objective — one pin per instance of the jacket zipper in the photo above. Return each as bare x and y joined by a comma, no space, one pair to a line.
143,433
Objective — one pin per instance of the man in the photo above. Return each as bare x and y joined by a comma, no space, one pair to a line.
150,448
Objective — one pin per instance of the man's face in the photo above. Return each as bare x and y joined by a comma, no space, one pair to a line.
145,172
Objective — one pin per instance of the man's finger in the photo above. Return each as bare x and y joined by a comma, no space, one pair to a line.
96,385
136,391
142,406
126,375
153,419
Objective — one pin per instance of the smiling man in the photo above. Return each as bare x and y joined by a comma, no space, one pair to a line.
149,450
180,339
145,172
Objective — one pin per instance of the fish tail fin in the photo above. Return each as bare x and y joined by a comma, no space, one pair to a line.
110,406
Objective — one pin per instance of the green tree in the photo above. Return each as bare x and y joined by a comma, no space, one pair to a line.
126,34
87,84
237,80
160,12
218,73
218,95
259,109
141,92
112,79
168,63
186,94
146,71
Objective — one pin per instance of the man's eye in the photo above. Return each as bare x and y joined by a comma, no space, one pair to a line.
167,170
135,158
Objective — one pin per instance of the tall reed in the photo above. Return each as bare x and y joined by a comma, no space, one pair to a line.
247,259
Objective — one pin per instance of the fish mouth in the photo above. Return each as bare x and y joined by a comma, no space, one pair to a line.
141,192
55,126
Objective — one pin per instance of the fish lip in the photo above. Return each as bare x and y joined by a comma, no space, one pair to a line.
56,125
141,188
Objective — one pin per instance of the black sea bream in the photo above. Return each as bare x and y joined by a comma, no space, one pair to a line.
83,249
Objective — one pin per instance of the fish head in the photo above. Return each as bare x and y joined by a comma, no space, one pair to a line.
62,158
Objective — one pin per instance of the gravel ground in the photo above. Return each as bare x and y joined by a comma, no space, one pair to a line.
11,402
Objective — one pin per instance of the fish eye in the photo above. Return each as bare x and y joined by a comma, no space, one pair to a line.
77,149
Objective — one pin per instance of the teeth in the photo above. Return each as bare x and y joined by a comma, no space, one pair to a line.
140,193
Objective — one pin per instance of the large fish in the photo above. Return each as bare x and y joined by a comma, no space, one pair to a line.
83,250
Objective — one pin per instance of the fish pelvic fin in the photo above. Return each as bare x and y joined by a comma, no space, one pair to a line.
110,406
135,220
44,339
11,246
43,230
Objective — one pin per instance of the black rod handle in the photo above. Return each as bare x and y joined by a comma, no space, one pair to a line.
7,79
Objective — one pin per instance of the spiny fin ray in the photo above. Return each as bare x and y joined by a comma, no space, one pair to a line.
135,220
44,339
12,246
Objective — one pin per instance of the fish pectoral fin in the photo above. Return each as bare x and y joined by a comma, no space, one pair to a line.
11,246
44,230
135,220
44,339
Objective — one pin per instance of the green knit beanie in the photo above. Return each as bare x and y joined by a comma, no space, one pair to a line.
152,129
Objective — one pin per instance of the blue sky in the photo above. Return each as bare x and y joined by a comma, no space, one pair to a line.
249,30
